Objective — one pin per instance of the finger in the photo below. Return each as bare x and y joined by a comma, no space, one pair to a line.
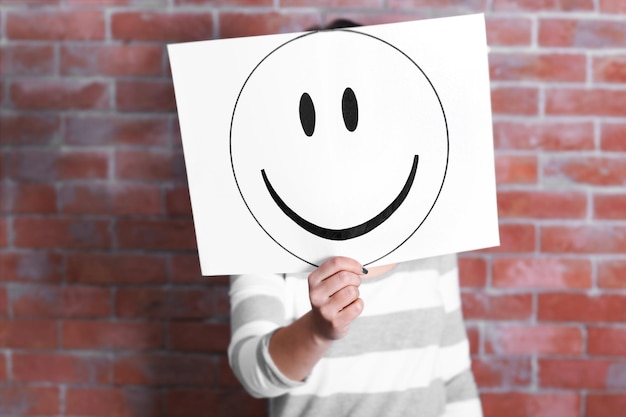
332,266
343,298
340,280
351,311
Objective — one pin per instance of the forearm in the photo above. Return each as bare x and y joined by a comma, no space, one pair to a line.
334,294
257,312
295,349
270,360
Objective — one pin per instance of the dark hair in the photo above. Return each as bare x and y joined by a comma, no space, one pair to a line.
336,24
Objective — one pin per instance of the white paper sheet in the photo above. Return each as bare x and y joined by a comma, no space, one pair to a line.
372,142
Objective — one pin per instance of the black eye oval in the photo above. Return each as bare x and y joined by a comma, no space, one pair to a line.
307,114
350,109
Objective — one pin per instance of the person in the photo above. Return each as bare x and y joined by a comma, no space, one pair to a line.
342,343
345,341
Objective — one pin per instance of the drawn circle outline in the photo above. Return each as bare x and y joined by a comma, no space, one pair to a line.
230,140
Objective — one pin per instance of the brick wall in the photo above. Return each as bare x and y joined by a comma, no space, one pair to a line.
103,311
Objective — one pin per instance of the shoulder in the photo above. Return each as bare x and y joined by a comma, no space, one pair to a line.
442,264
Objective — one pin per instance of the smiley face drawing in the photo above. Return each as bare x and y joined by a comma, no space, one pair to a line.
339,145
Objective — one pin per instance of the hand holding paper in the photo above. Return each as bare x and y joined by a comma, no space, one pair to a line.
334,295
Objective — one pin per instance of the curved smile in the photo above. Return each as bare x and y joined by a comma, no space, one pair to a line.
350,232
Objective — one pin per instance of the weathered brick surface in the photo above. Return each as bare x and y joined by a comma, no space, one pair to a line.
103,309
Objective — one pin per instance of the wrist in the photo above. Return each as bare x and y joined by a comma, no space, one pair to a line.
317,337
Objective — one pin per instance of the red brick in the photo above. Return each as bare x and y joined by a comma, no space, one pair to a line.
533,340
161,165
542,205
543,136
537,67
4,233
252,24
583,239
163,370
511,31
31,2
28,334
581,307
606,341
612,274
117,268
55,24
116,130
42,165
581,33
28,198
26,129
24,59
586,102
4,302
65,94
472,272
164,27
186,269
177,202
24,400
61,233
54,301
113,402
479,305
112,335
609,170
612,6
145,96
612,137
112,60
257,3
116,199
156,234
3,155
516,169
522,404
609,69
493,372
194,403
545,273
521,101
61,368
476,5
225,375
609,206
333,3
603,405
474,336
3,369
199,337
222,300
100,3
164,303
31,267
177,139
515,238
582,374
82,165
542,5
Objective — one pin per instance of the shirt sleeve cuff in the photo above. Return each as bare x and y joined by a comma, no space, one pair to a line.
274,375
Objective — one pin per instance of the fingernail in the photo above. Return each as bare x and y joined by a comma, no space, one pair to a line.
365,271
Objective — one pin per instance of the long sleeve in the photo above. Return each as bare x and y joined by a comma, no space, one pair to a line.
455,363
257,310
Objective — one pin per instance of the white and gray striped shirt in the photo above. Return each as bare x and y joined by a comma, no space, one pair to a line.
406,355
